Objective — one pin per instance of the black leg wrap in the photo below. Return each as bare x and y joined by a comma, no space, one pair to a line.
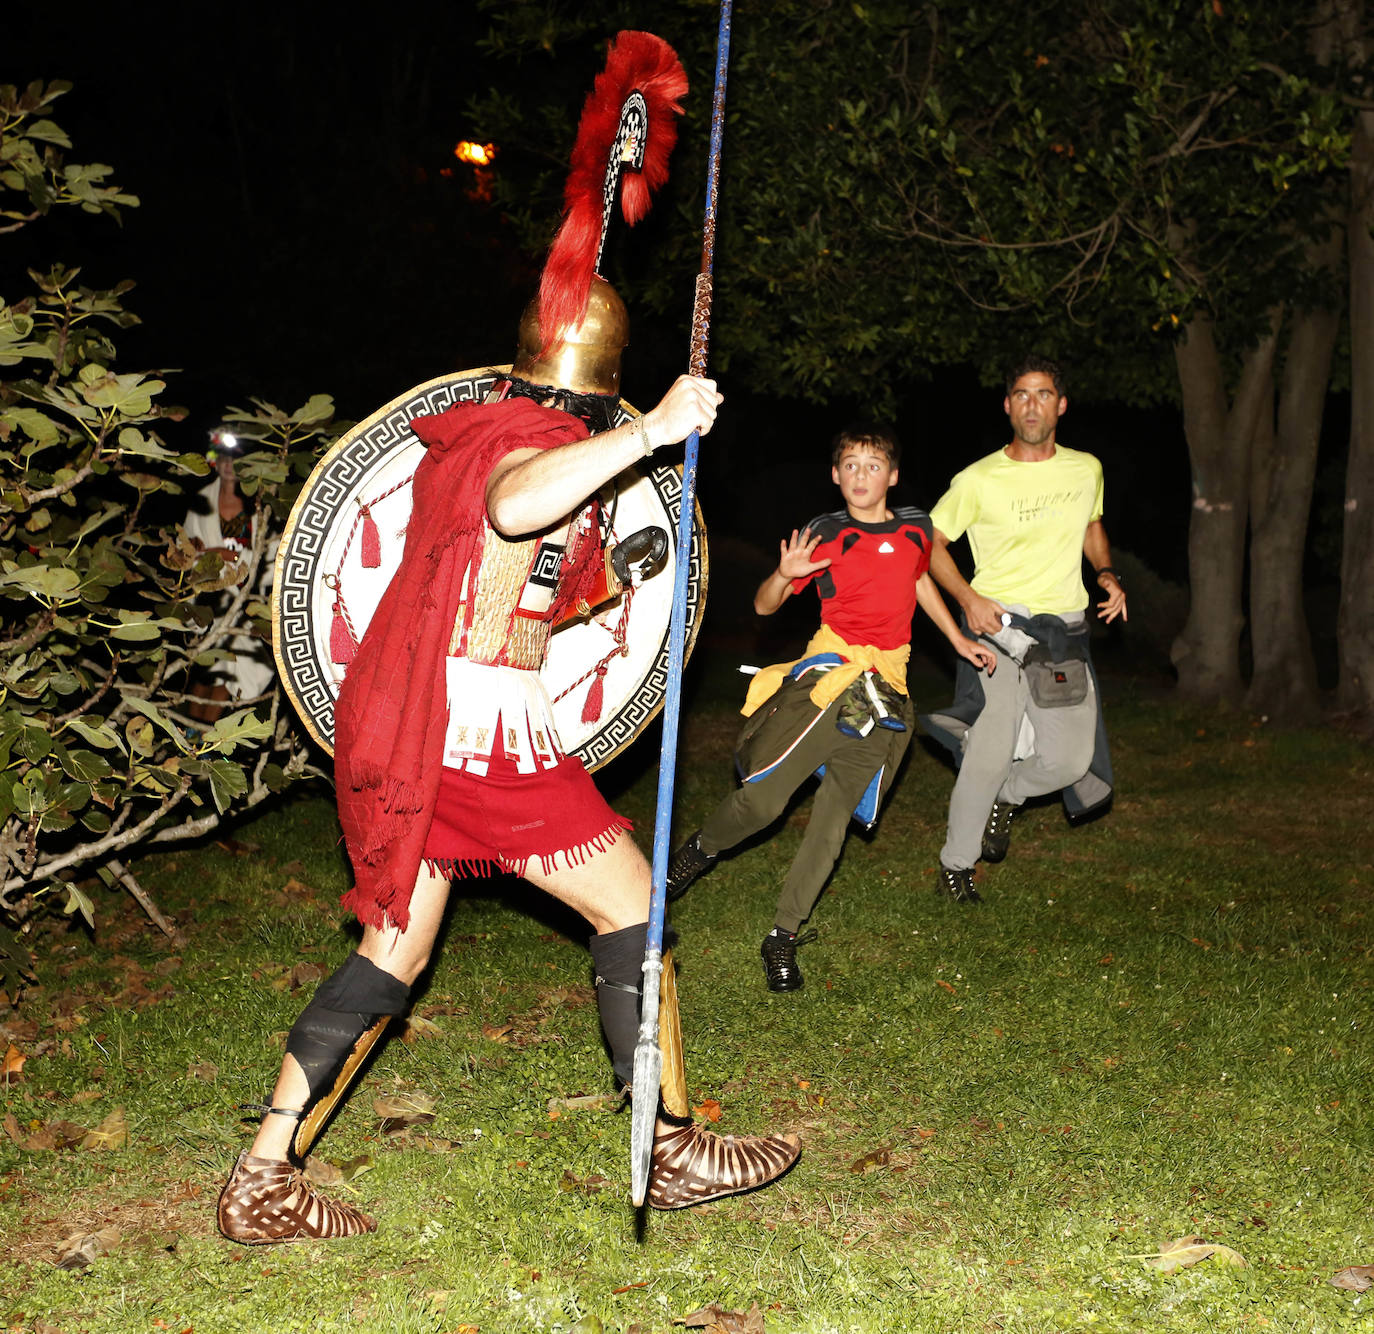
343,1008
618,958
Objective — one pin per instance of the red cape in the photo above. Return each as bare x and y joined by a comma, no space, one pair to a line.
391,714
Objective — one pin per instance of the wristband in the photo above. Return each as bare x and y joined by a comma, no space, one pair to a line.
643,430
1107,569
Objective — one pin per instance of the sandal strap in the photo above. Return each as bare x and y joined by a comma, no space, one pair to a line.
266,1201
295,1113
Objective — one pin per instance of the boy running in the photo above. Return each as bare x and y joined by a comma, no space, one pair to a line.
841,710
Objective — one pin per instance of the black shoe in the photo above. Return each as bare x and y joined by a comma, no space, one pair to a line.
957,885
688,862
997,831
779,952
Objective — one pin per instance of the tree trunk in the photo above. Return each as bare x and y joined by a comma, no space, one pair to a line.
1355,625
1207,653
1283,466
1284,681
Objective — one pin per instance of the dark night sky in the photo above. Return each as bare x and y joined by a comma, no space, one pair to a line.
296,235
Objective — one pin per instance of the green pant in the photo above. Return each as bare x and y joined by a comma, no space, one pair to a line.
796,739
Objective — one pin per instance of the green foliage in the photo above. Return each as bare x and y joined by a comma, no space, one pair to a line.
107,609
903,189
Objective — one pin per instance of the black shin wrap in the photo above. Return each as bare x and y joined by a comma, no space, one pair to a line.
618,958
344,1006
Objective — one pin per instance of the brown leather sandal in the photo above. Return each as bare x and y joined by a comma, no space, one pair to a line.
266,1201
691,1165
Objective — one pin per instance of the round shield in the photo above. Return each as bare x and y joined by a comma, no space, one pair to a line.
331,574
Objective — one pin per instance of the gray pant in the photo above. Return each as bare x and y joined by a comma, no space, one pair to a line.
1063,750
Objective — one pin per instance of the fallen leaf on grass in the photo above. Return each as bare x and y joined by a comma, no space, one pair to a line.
710,1109
14,1063
306,972
203,1071
57,1135
238,847
587,1102
430,1143
1357,1278
81,1249
496,1033
878,1158
400,1111
418,1027
12,1128
1183,1252
588,1185
111,1133
405,1103
716,1320
324,1173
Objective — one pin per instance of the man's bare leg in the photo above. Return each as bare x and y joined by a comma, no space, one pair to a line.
265,1199
402,954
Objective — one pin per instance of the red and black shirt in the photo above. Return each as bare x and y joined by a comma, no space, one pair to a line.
868,592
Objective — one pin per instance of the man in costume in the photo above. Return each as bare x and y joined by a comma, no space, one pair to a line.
447,760
842,710
1032,512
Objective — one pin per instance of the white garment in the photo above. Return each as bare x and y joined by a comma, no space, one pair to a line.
479,695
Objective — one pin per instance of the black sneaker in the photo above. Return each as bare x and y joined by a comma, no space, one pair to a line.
688,862
957,885
997,831
779,952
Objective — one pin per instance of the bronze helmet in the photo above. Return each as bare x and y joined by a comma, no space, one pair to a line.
586,358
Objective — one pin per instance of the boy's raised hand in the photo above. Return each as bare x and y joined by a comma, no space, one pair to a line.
794,560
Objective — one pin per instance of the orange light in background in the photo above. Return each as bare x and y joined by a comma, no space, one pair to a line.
479,155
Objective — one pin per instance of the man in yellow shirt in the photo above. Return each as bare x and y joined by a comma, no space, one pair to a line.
1031,512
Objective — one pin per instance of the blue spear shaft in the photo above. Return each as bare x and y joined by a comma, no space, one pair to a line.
648,1067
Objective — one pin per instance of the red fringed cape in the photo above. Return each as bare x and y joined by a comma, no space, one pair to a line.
391,713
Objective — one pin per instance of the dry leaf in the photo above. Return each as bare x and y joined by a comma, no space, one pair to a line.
298,887
12,1128
710,1109
431,1143
65,1134
87,1095
586,1103
1357,1278
1183,1252
322,1172
204,1071
418,1027
111,1133
404,1103
495,1033
307,972
14,1063
400,1111
588,1185
80,1249
878,1158
716,1320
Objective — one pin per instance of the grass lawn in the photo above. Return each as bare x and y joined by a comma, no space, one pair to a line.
1155,1026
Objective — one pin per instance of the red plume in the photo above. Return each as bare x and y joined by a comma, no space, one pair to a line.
636,61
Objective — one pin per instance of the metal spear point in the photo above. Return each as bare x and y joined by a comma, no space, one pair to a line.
648,1067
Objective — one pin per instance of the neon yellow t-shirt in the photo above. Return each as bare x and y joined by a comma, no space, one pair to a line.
1025,524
